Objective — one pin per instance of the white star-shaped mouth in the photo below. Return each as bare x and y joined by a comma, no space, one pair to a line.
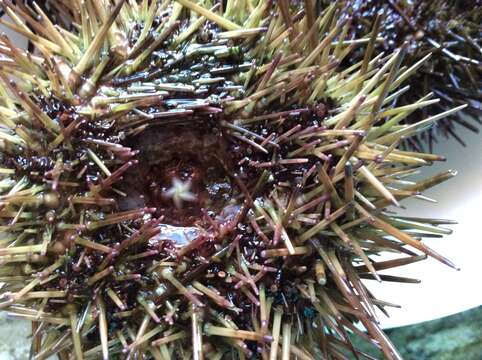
180,192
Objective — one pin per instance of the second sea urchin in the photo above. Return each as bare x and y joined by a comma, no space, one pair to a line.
447,32
185,180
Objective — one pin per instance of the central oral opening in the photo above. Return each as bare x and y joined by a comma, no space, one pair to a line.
183,172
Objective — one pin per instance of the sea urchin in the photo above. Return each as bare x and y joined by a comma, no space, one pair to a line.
201,180
448,32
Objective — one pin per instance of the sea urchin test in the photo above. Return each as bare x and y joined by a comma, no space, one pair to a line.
187,179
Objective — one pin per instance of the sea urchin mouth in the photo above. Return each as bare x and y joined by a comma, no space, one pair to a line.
192,158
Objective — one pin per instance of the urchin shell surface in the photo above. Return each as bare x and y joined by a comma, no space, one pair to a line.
202,180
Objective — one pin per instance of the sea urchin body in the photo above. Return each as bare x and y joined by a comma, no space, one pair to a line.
201,180
448,33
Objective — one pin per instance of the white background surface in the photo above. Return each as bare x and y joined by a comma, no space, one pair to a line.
444,291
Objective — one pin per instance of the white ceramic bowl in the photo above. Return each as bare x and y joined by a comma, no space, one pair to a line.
444,291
